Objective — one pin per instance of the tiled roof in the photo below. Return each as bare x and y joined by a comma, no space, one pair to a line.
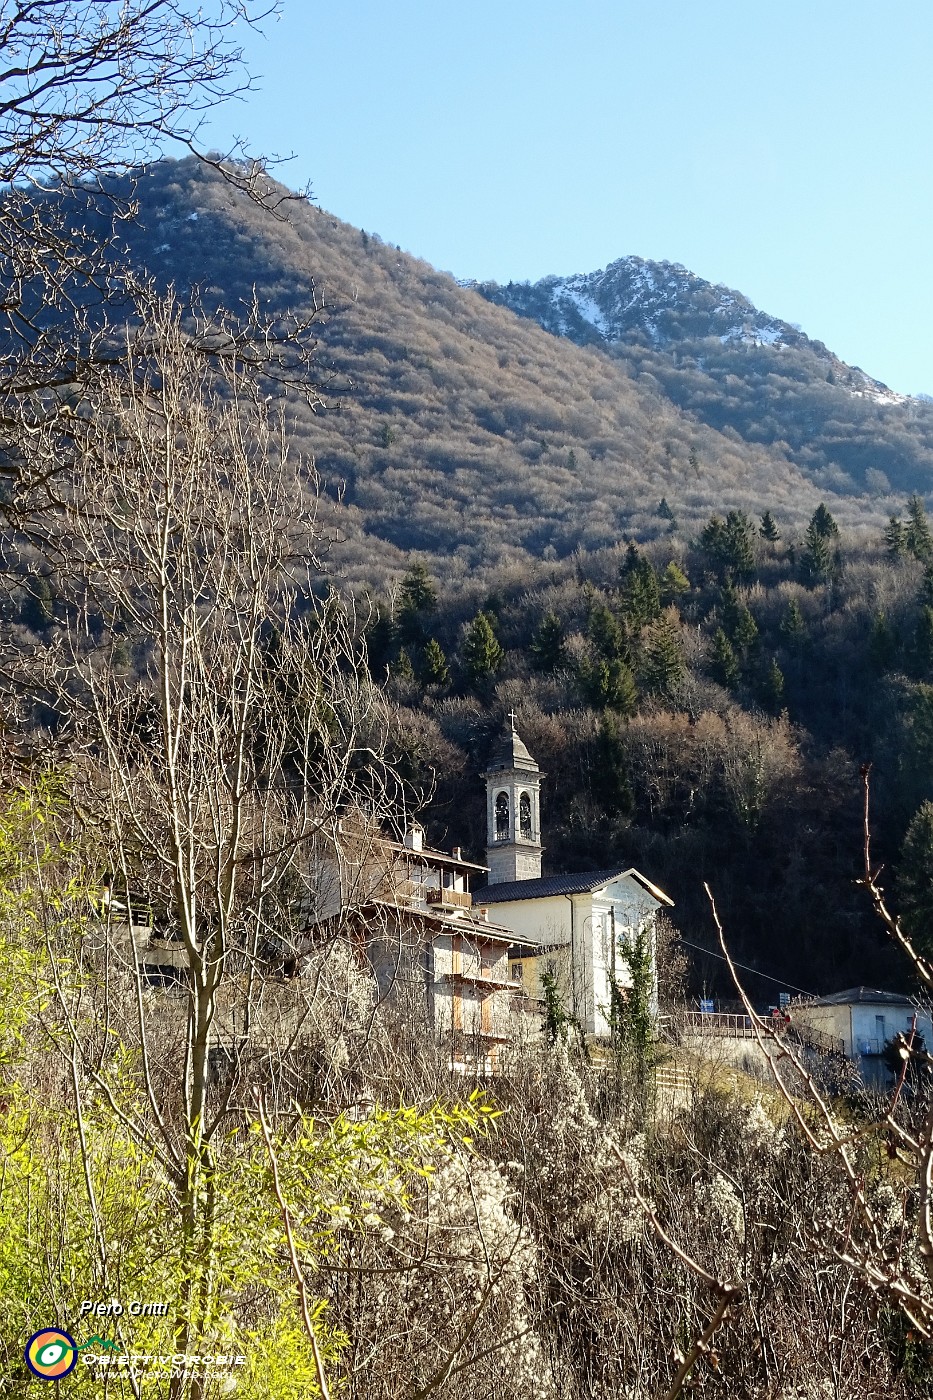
856,995
510,753
547,885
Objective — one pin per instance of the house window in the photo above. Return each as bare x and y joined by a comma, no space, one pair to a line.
524,815
502,816
516,972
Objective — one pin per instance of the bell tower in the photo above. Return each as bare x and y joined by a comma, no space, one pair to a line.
513,810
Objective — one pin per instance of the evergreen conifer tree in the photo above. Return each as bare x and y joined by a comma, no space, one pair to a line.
608,685
882,644
772,688
674,584
434,668
923,641
745,632
548,652
915,880
663,665
918,539
416,599
768,530
895,537
605,632
725,663
818,559
641,596
823,524
482,654
793,628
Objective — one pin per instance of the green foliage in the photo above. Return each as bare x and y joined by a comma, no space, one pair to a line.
662,665
819,561
611,783
793,628
823,524
730,545
725,664
434,668
895,537
664,511
417,599
548,652
482,655
882,643
605,632
608,685
556,1019
768,529
915,879
918,538
640,603
772,687
674,584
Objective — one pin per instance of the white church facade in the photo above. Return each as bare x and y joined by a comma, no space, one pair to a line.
576,927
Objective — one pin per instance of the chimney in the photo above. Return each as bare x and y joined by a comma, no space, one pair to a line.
414,837
457,853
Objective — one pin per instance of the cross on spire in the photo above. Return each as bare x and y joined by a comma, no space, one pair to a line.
512,720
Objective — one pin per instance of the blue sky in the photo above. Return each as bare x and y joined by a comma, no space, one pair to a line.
780,148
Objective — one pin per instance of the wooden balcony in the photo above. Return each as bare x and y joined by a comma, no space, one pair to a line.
449,899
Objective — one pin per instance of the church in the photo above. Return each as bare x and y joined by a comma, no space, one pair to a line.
574,927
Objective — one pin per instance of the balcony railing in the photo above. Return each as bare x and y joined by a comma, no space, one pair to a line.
449,899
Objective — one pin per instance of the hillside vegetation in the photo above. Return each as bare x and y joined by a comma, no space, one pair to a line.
469,434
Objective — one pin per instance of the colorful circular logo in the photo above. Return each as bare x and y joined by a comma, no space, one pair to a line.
51,1354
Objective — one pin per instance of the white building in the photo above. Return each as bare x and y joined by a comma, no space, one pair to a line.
864,1020
578,926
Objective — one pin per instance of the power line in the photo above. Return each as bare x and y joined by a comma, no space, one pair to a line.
778,982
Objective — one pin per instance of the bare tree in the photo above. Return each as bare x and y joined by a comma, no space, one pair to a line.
213,709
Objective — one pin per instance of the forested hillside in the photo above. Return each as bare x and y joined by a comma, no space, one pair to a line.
718,357
700,710
700,694
471,435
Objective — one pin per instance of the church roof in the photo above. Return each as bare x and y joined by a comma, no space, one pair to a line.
547,885
511,753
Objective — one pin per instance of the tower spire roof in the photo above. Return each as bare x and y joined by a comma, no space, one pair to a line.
509,752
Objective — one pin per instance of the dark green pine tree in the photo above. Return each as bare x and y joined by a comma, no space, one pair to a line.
923,642
434,668
768,530
608,685
641,596
605,631
663,665
725,663
817,562
792,626
417,598
882,643
919,541
895,537
611,785
915,880
664,511
745,632
482,654
823,523
548,652
772,687
730,543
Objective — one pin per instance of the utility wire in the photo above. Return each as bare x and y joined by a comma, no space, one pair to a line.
778,982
